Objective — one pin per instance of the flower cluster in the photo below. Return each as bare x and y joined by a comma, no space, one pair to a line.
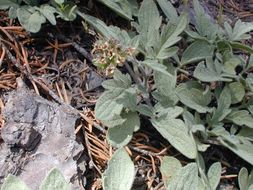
108,54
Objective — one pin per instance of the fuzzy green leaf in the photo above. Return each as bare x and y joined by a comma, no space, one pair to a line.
237,92
243,179
185,179
156,66
120,136
241,117
193,97
5,4
177,133
224,103
169,10
120,172
169,167
13,183
197,51
240,31
55,180
48,12
214,174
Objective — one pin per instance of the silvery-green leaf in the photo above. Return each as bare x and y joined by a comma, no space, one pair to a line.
166,85
177,133
240,31
243,150
119,81
48,12
5,4
193,97
167,112
122,8
128,99
214,174
12,12
207,72
31,21
55,180
237,92
145,110
155,65
241,117
120,136
224,103
12,182
169,167
201,184
172,38
169,10
205,25
32,2
230,65
197,51
59,1
185,179
243,179
149,23
106,106
120,172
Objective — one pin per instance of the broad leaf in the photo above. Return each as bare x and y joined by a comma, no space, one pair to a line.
243,179
169,167
197,51
48,12
193,97
185,179
123,8
54,180
156,66
5,4
177,133
224,103
13,183
120,136
214,174
166,86
120,172
241,117
237,92
169,10
240,30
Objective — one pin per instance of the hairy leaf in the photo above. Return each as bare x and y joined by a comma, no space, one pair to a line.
197,51
169,167
120,136
120,172
185,179
241,117
237,92
177,133
55,180
13,183
214,174
193,97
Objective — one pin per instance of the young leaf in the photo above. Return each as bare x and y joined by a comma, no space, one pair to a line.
224,103
208,72
240,31
13,183
48,12
214,174
237,92
169,10
243,179
166,86
177,133
197,51
55,180
169,167
124,8
193,97
155,65
185,179
120,172
241,117
120,136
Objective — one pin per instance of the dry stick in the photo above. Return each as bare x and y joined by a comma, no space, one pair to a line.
87,143
80,49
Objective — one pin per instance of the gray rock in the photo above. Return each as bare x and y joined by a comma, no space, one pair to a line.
39,135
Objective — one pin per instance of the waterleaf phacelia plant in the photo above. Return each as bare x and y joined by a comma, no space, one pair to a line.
214,106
